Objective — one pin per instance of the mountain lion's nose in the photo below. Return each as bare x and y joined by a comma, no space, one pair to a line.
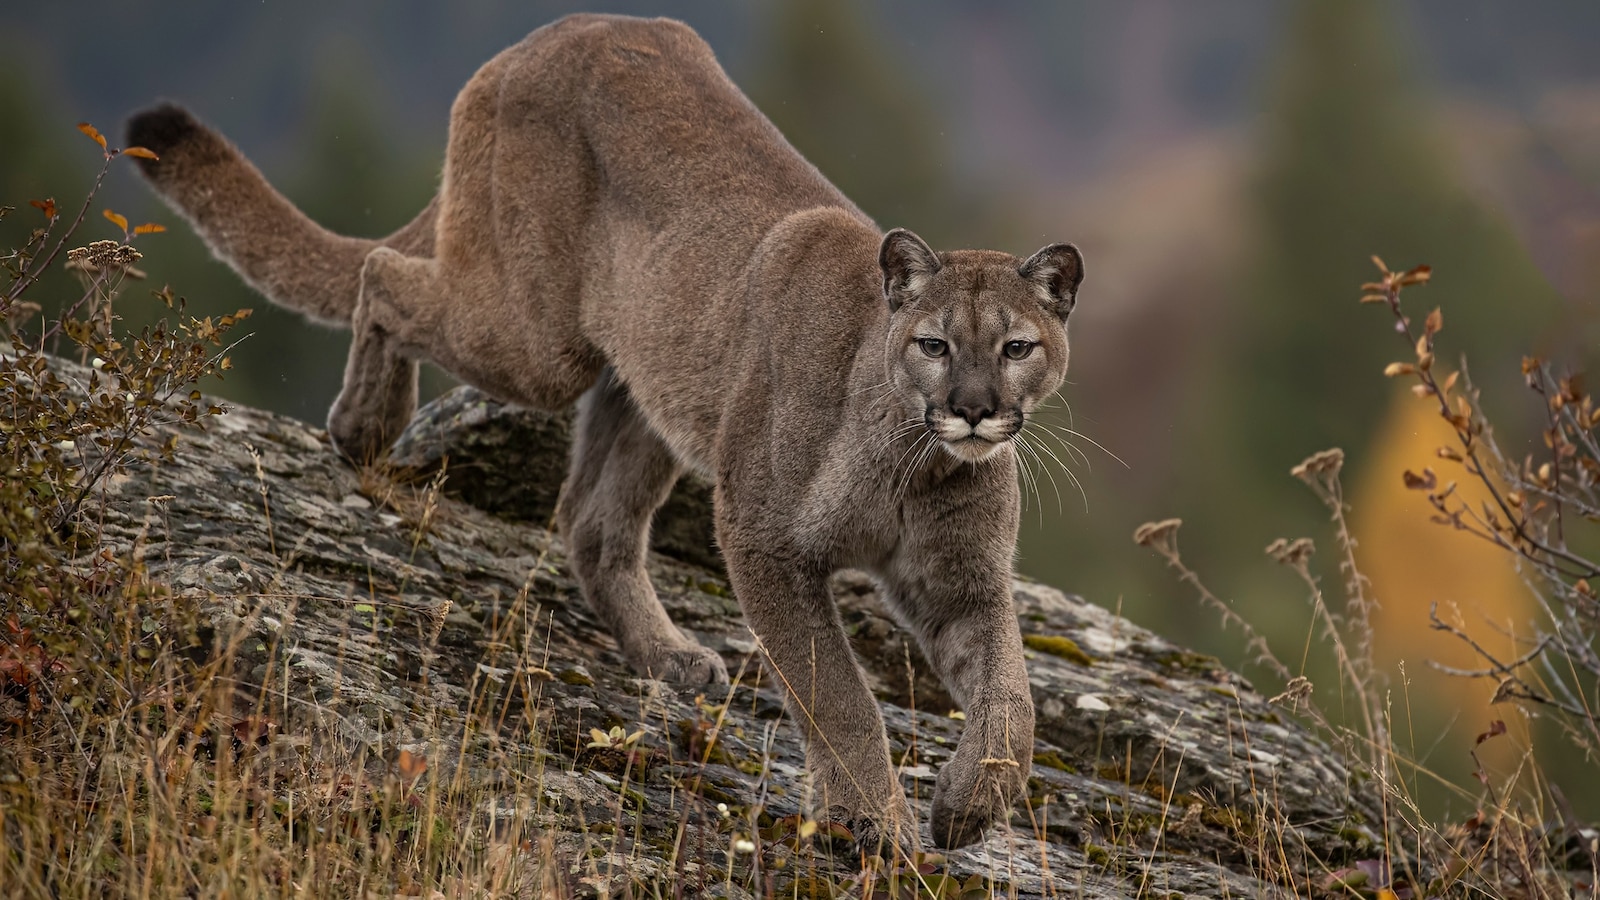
973,409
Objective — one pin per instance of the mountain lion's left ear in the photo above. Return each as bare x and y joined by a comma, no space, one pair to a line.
1055,273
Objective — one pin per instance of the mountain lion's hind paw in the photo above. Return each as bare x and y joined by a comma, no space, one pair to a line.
687,665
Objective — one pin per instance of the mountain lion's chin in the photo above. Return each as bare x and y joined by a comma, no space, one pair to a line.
972,448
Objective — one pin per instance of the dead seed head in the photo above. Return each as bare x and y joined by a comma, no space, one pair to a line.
103,256
1297,691
1291,553
1160,535
1325,464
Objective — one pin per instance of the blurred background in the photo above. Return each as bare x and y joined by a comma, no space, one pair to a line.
1227,168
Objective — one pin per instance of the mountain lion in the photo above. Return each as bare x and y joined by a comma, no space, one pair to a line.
617,226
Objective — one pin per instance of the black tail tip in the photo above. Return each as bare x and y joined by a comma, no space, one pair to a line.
161,129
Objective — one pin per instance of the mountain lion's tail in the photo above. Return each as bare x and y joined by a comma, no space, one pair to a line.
290,259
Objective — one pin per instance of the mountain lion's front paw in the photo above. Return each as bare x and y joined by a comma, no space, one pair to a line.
970,795
690,665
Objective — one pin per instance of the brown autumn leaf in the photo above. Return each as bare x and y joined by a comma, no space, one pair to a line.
1530,363
1427,481
1379,263
149,228
46,206
93,133
1434,323
1496,728
1398,368
119,221
1451,454
255,730
1417,275
141,152
1374,298
1449,382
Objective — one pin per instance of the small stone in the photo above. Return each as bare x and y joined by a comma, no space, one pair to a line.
1092,703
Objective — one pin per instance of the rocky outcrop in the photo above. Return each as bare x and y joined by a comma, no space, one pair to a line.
389,618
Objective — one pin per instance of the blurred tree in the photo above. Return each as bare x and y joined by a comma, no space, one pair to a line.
44,158
1352,167
828,86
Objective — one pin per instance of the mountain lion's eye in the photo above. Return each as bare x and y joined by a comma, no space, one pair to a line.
1019,349
933,346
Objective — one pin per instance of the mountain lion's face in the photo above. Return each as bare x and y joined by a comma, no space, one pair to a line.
977,338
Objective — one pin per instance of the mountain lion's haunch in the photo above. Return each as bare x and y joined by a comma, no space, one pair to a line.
619,227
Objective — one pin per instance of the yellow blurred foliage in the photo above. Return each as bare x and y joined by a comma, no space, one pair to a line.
1413,563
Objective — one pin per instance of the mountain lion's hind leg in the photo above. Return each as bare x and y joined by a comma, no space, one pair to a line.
379,393
621,472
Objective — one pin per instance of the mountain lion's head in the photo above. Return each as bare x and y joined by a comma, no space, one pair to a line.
975,336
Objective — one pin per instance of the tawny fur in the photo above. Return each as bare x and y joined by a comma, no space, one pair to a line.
617,222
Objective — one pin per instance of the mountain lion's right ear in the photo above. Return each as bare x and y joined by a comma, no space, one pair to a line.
908,265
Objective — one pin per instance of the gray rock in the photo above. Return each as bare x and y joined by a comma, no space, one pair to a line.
384,619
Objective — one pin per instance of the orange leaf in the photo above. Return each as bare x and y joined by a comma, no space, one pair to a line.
150,228
141,152
1435,322
46,206
119,221
1418,275
93,133
411,765
1379,263
1398,368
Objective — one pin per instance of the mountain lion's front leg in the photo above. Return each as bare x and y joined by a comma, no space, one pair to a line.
805,649
957,598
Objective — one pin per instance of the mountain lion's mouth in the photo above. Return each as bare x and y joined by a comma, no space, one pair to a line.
971,448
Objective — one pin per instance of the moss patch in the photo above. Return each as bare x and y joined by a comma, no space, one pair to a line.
1050,759
575,678
1066,648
